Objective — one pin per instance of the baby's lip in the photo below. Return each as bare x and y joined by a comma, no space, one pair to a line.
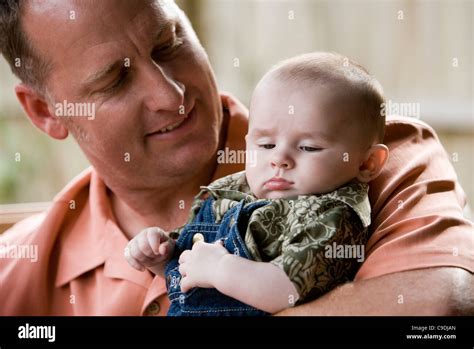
278,183
278,179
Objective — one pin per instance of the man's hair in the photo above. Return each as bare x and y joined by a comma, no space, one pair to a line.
344,77
24,62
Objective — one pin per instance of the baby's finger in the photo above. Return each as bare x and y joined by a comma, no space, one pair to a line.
132,262
185,284
183,257
182,270
156,237
144,245
135,251
166,248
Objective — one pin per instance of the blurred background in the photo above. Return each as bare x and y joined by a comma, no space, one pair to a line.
420,51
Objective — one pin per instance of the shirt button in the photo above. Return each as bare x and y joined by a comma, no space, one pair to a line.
198,237
153,309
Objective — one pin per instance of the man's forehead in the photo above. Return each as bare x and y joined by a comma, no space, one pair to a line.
75,18
63,31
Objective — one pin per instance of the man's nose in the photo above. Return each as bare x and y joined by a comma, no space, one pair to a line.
164,92
282,161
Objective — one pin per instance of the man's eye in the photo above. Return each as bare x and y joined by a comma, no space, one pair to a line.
310,149
164,51
267,146
118,83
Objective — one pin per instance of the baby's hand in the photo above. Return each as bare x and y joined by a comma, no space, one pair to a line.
150,249
198,266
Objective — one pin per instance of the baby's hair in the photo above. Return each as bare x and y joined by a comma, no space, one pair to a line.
343,76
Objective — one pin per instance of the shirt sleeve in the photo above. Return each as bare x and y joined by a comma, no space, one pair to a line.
312,258
417,205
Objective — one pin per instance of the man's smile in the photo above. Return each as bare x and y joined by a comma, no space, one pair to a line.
175,128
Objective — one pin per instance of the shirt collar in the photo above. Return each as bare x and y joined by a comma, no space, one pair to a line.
92,238
81,234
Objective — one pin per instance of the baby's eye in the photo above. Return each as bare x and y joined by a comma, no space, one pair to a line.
310,149
267,146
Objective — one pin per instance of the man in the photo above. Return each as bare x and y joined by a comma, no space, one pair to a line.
152,141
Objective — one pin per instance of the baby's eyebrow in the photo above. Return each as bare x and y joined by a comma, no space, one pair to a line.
261,132
316,134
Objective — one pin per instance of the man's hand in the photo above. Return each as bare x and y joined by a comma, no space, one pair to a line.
198,267
150,249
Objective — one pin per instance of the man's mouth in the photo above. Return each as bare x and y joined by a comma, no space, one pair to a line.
175,126
278,183
172,126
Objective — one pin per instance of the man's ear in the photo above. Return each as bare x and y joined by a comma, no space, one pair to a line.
375,158
36,107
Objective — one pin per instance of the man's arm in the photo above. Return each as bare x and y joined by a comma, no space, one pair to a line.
431,291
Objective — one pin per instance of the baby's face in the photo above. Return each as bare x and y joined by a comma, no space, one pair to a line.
303,140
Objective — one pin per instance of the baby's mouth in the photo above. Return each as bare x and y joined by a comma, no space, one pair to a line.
278,183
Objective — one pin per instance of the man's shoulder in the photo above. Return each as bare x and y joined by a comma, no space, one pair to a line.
403,127
22,231
28,229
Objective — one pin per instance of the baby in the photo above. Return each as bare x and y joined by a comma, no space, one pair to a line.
257,241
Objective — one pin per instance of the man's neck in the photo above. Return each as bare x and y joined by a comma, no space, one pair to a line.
166,207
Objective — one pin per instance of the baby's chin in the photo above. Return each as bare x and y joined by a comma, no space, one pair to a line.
277,194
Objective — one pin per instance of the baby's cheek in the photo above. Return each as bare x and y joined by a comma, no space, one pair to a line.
251,174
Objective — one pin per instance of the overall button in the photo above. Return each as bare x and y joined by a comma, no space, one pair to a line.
232,222
153,309
198,237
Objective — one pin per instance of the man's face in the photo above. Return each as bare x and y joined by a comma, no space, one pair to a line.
157,111
304,143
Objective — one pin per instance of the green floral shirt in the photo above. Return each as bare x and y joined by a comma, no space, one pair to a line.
300,235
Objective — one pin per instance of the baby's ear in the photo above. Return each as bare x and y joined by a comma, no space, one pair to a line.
375,158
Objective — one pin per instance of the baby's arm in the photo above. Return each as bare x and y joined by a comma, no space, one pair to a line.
261,285
150,249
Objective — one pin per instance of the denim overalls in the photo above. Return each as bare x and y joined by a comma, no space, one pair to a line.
209,301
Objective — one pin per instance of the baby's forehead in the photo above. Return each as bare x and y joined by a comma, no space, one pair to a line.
327,90
293,97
